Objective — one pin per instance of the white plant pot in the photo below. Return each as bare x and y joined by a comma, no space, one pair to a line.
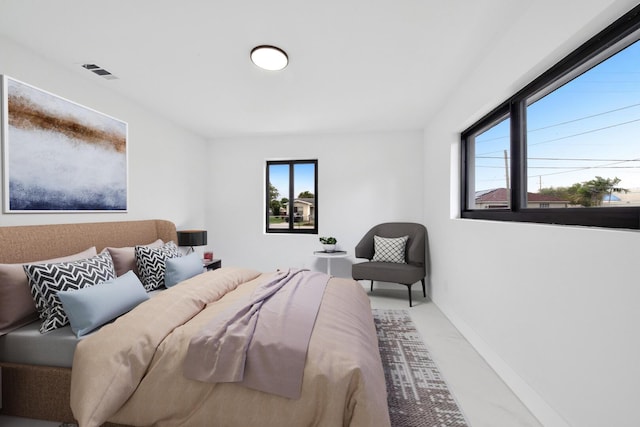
329,248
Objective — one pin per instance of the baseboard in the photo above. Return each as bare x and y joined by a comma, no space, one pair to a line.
540,409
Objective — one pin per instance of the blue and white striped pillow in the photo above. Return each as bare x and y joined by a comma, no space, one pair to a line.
151,264
46,280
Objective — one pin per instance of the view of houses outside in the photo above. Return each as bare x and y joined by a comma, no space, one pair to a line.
583,143
304,201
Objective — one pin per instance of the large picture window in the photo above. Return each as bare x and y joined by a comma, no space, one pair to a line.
566,149
292,196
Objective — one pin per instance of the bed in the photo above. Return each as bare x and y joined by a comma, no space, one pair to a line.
132,370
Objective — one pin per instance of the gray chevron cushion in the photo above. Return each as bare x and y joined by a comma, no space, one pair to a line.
389,249
46,280
151,264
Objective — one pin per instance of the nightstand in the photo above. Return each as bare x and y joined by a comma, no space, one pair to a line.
213,264
329,256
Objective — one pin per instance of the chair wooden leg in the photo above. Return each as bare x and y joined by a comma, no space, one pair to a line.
424,291
410,302
372,286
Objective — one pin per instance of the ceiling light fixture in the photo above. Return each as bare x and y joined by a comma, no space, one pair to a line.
269,57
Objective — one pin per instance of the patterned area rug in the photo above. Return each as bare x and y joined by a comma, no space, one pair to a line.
417,394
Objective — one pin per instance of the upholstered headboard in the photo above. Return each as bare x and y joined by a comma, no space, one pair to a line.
34,242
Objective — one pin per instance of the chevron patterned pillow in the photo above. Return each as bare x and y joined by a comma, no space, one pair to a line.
46,280
151,264
389,249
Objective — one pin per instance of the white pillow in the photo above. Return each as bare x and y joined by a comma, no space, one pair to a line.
389,249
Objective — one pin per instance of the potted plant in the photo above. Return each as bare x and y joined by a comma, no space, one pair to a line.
328,243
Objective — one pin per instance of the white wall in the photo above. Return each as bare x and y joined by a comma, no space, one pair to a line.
165,162
553,309
363,179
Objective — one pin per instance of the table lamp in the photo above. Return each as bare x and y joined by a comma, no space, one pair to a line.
192,238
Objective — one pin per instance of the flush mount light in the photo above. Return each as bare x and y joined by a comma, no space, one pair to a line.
269,57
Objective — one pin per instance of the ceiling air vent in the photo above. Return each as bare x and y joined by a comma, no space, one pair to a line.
99,71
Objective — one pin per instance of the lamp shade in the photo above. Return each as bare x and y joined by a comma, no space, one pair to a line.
192,237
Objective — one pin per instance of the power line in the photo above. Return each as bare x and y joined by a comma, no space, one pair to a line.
605,166
567,122
589,167
573,135
569,169
585,117
584,133
563,159
565,167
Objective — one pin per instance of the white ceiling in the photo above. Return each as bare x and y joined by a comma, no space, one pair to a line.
355,65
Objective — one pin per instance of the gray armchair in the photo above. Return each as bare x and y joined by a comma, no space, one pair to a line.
404,274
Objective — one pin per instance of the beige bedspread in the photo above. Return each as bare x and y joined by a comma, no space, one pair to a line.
130,372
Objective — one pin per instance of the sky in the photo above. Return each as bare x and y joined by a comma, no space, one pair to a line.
304,176
589,127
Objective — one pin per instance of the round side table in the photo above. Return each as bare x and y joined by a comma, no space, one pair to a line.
329,256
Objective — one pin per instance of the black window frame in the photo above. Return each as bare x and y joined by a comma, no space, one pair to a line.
620,31
291,196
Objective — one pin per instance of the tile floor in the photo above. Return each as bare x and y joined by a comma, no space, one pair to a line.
485,400
483,397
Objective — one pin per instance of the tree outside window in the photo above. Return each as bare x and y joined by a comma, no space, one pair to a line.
564,149
292,196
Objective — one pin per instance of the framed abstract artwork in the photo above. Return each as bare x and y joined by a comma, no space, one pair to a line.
59,156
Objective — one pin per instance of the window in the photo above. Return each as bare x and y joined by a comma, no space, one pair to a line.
292,196
489,176
565,149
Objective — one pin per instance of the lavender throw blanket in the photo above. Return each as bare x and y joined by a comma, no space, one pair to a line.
261,343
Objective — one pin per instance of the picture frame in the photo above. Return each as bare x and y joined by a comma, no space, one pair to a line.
60,156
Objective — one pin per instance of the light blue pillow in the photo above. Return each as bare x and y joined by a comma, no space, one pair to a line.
93,306
182,268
